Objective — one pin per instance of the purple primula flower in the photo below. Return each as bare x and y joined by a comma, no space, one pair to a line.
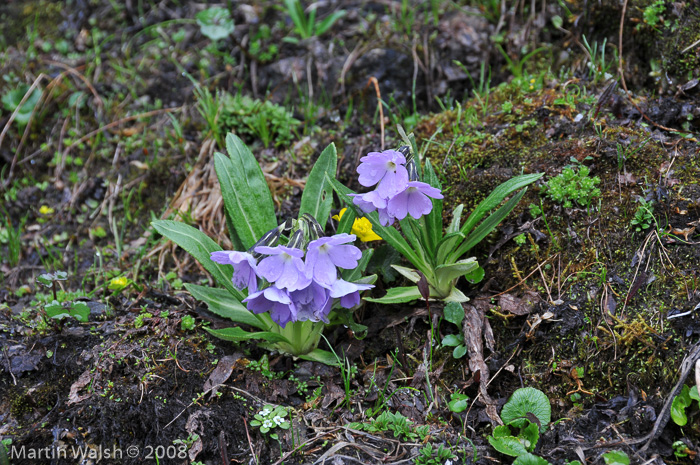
349,293
276,301
284,267
312,303
414,200
385,219
386,168
326,253
244,266
369,201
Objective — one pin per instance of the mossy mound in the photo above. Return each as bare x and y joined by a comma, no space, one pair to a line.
610,288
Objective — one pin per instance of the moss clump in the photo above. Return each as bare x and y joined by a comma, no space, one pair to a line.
679,60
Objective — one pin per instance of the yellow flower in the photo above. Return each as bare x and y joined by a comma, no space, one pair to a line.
117,284
46,210
362,228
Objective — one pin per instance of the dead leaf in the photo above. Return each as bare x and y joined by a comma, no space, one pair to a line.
683,232
519,306
626,178
610,305
84,379
332,393
221,373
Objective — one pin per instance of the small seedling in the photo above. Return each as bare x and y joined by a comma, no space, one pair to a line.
187,323
12,99
681,402
270,418
458,402
454,313
643,216
307,26
50,279
215,23
401,426
428,455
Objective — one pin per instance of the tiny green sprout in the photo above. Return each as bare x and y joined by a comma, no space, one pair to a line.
187,323
520,239
535,210
458,402
680,449
643,216
138,321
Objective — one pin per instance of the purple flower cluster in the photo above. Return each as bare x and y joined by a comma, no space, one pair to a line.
397,194
301,288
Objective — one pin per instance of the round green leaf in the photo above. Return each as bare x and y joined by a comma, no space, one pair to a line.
530,459
508,445
215,23
454,313
524,401
616,457
459,351
452,340
458,402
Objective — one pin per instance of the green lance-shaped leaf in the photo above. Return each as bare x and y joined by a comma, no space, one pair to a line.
408,273
496,197
447,246
456,220
245,192
222,303
433,220
318,196
398,295
446,273
347,221
322,356
485,228
237,334
200,246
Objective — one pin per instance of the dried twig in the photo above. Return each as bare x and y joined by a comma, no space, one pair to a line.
373,81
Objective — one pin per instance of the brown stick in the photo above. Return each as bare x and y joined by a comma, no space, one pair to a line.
373,81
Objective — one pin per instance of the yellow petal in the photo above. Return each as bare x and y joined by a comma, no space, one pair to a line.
339,215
